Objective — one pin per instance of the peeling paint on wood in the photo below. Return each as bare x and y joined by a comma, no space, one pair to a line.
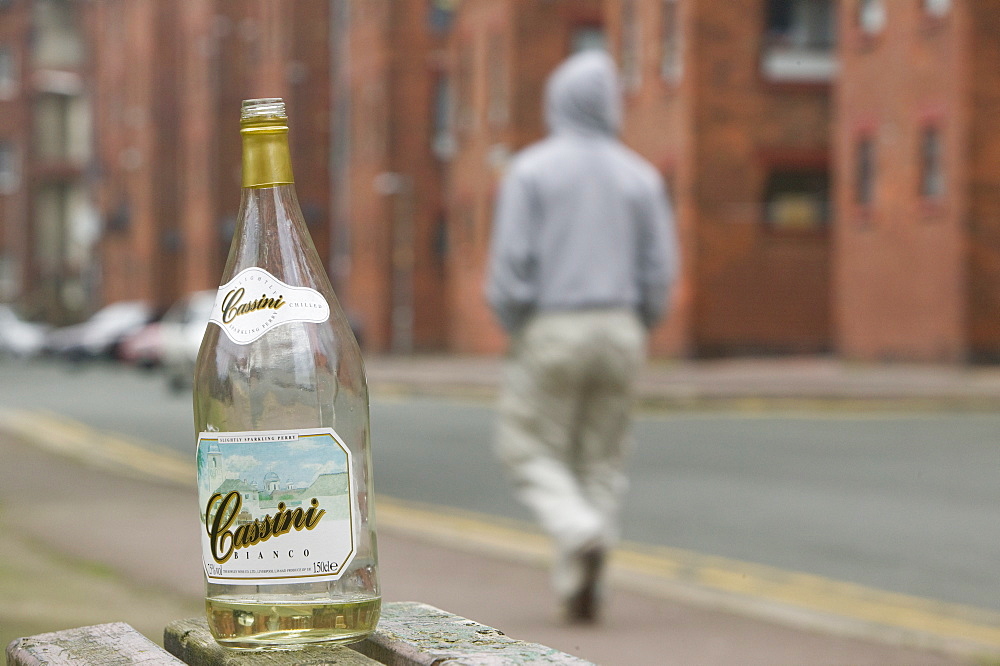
111,644
415,634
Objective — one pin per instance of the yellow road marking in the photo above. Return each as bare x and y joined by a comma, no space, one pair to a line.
791,597
787,596
79,441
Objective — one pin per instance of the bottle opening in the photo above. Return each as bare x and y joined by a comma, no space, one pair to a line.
259,109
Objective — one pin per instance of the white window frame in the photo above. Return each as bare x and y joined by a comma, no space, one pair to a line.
806,51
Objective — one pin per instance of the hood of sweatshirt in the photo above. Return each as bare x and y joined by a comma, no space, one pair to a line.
583,96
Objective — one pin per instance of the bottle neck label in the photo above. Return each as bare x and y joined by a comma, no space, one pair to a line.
266,159
254,302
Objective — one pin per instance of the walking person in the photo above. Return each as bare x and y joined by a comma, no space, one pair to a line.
581,261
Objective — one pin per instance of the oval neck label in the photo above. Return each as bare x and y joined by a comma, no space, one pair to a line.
254,302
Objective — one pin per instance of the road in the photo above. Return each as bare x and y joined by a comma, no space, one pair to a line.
903,502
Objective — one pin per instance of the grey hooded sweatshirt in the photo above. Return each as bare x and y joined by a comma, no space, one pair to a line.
581,221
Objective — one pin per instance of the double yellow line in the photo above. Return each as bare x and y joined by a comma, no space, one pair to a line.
790,598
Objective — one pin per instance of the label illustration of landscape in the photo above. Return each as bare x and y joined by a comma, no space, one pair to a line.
276,507
254,302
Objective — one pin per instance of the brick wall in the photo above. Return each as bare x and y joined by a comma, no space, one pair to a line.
396,283
900,282
15,135
168,80
658,124
983,176
502,54
757,288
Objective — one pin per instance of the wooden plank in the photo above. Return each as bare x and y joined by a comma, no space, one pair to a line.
113,644
408,634
191,641
416,634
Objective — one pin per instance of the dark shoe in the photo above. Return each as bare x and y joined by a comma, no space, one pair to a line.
581,607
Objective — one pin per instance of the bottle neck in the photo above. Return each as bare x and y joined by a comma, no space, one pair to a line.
266,158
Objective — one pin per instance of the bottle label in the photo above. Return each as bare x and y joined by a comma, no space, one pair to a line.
277,507
254,302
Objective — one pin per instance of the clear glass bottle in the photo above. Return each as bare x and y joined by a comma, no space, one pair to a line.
281,408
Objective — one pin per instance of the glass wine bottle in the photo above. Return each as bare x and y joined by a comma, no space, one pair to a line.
281,408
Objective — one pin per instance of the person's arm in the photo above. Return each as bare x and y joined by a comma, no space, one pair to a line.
658,256
511,274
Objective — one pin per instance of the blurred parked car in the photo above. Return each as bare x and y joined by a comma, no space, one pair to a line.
144,347
18,337
100,335
181,331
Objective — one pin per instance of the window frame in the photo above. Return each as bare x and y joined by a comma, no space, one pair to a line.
10,167
630,45
937,9
10,80
799,41
867,11
864,161
671,41
797,175
932,184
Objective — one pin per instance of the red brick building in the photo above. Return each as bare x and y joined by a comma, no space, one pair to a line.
502,52
918,166
15,141
167,80
731,99
47,223
393,72
832,163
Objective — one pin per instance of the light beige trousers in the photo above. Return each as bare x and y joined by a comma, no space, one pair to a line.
565,414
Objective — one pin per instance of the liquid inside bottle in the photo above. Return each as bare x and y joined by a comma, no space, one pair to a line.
281,408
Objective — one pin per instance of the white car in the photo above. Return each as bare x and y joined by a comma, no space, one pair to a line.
20,338
101,334
181,331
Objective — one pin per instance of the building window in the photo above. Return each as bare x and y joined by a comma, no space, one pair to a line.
864,172
872,16
937,8
61,128
931,164
440,14
629,47
800,40
587,37
464,104
443,140
10,168
797,200
8,73
56,38
497,73
670,40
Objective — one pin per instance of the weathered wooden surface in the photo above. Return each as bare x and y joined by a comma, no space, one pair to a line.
192,642
409,634
415,634
113,644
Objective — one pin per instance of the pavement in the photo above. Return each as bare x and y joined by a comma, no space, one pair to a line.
747,383
95,531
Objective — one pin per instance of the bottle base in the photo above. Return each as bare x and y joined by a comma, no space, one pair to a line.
254,626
